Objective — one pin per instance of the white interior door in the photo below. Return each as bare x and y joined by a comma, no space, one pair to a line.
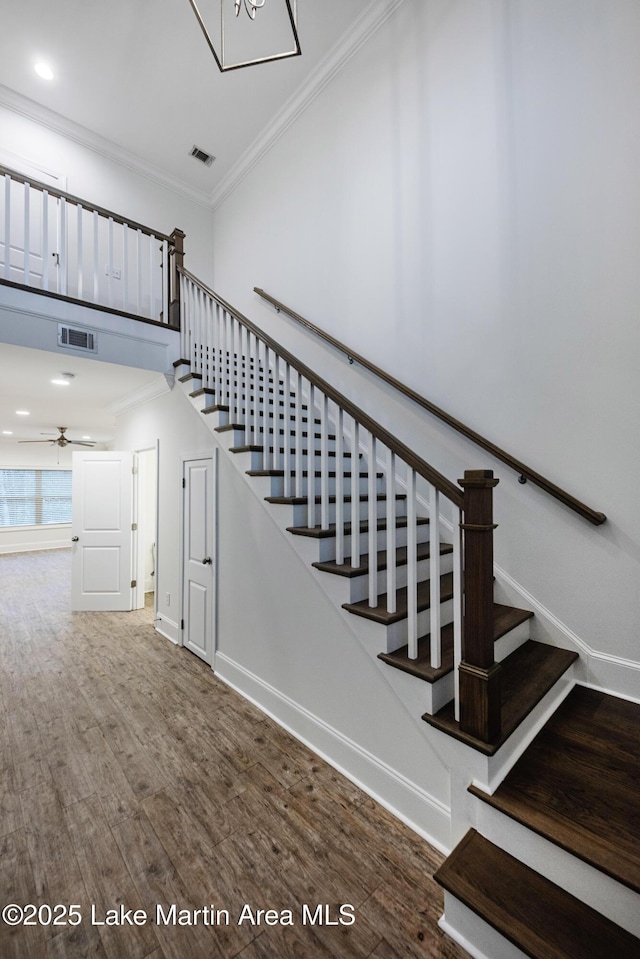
199,558
101,530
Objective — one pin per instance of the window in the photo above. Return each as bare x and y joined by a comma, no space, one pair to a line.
34,497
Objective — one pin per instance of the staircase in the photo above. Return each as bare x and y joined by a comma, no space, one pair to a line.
382,530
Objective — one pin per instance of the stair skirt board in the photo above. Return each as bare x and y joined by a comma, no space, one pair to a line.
405,800
475,935
587,883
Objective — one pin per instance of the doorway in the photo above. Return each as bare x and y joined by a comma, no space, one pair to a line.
199,566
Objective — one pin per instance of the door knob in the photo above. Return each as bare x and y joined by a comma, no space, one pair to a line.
74,539
207,561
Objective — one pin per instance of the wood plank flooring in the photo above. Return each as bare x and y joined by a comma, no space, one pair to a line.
132,779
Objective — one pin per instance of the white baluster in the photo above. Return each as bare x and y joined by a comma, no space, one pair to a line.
7,226
391,532
152,268
64,265
139,292
96,257
311,480
458,601
45,239
340,493
355,496
299,485
324,459
80,244
434,575
286,431
110,264
372,520
27,235
126,271
412,570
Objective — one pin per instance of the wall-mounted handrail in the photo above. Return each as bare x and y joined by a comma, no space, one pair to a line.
424,469
525,472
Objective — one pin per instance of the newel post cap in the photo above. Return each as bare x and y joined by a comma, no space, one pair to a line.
478,479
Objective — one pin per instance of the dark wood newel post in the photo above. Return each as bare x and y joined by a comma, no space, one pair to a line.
479,673
176,254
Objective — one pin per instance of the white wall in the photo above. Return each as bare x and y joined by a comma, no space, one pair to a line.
116,186
170,422
461,204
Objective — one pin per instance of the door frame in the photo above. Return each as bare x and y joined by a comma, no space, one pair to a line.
138,504
202,454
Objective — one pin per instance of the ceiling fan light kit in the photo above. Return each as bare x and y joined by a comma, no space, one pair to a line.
61,440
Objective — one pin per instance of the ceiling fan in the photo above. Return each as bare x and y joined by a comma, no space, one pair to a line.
60,440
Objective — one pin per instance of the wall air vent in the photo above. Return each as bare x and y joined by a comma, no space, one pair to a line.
75,338
202,155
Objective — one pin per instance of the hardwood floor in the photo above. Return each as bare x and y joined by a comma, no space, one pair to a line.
132,779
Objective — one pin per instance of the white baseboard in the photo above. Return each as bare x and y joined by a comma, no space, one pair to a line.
601,670
170,630
407,801
33,547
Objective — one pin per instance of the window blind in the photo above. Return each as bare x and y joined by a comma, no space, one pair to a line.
34,497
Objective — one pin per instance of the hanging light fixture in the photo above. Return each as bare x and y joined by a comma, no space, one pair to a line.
234,45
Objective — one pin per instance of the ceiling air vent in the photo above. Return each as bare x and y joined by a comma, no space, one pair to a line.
77,339
202,155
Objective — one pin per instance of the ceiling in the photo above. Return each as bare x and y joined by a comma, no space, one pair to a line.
141,76
85,407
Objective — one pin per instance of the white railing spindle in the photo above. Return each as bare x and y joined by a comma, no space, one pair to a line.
391,532
434,575
7,226
324,459
412,571
355,496
340,493
458,600
45,240
26,263
372,520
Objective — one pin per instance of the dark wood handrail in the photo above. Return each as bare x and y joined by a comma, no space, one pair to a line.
91,207
525,472
424,469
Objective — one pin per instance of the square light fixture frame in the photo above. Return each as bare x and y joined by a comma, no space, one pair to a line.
291,6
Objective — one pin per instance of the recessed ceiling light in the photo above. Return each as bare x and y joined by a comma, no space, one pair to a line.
7,432
61,382
44,71
23,413
86,437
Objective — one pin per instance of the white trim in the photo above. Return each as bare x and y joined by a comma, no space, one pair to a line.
372,18
618,665
25,107
144,394
167,628
416,808
33,547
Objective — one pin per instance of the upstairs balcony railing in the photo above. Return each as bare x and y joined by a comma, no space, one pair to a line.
63,246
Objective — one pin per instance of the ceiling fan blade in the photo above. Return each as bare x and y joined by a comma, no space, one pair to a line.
36,441
80,443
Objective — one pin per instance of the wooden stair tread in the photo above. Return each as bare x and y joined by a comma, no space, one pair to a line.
316,532
538,917
317,474
345,569
526,676
379,613
577,783
422,668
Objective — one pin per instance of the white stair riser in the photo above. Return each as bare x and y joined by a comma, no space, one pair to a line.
359,585
475,935
327,546
301,516
276,486
586,883
389,638
277,460
242,437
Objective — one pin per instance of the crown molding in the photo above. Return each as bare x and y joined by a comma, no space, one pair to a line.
146,393
45,117
369,22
